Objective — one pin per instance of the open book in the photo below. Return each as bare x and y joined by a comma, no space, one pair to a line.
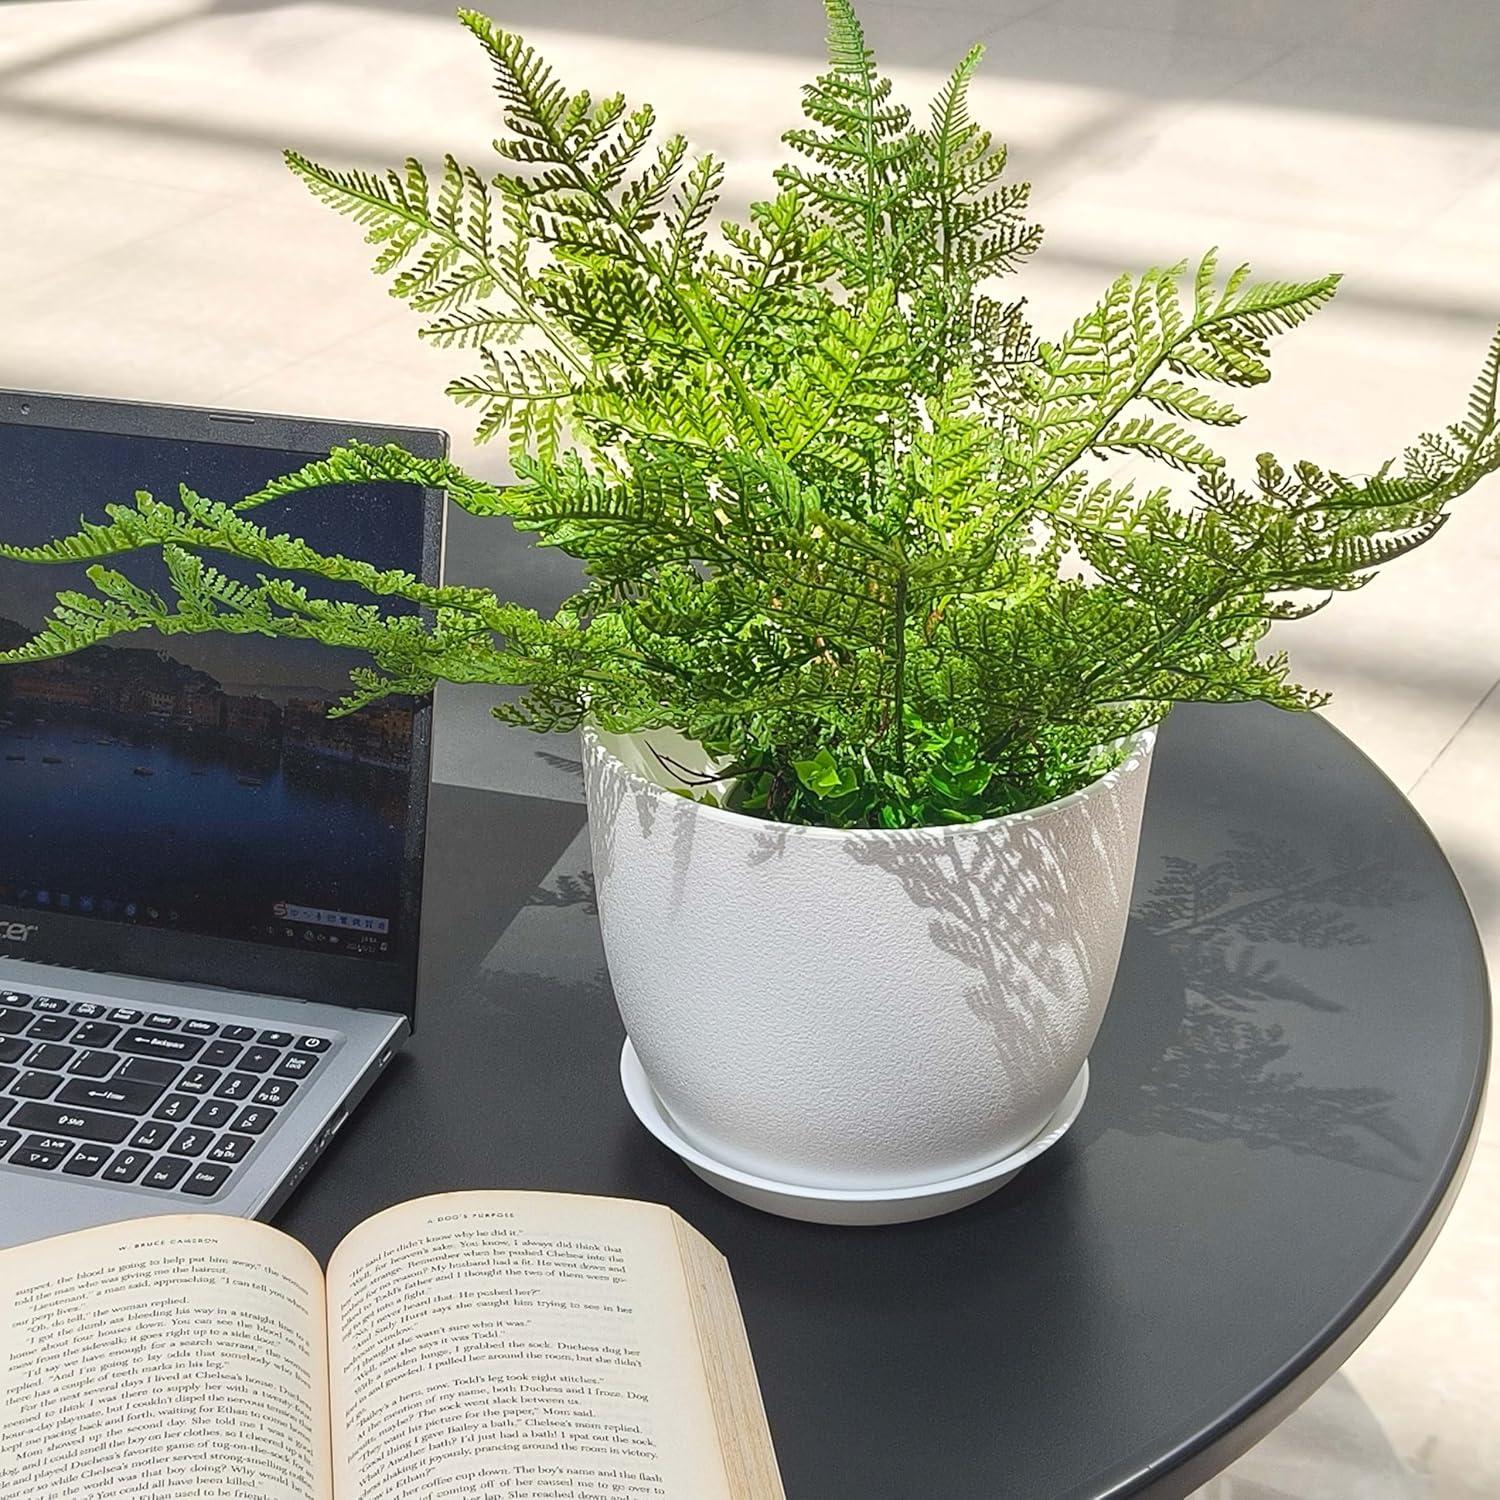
471,1346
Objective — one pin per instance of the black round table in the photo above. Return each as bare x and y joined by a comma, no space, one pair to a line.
1284,1096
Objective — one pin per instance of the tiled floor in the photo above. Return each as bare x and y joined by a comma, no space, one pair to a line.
154,247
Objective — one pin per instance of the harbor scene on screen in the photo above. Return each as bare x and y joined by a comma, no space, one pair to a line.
208,767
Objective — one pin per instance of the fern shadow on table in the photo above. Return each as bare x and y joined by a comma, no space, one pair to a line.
575,889
1190,1051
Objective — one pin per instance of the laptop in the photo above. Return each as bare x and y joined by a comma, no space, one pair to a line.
209,891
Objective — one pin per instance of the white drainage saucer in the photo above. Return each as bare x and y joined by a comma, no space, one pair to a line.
844,1206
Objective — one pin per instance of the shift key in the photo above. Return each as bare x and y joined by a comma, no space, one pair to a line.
126,1097
82,1124
169,1044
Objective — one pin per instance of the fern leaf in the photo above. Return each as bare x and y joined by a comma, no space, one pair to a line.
472,329
692,205
1191,404
1162,440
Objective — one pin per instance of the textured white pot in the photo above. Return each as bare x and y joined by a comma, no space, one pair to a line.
858,1009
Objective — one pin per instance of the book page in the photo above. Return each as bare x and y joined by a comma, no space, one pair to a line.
733,1390
179,1358
518,1346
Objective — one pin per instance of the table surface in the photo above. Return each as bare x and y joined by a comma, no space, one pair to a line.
1284,1093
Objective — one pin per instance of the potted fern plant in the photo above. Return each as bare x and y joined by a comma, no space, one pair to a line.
872,643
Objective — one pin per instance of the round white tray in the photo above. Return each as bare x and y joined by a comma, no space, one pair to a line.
843,1206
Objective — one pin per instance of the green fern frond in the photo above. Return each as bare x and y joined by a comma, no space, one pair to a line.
369,463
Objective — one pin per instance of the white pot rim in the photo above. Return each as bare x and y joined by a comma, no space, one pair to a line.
1141,744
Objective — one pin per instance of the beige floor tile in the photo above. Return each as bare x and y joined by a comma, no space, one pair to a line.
1459,796
39,34
1293,20
903,33
1429,1369
123,354
89,218
1424,42
273,277
1151,66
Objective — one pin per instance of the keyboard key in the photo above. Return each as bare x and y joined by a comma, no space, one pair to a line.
95,1034
213,1113
232,1148
206,1180
87,1160
85,1124
125,1017
127,1166
49,1003
192,1142
167,1173
13,1022
43,1152
94,1065
35,1085
13,1049
198,1080
50,1056
160,1021
8,1138
121,1095
276,1038
201,1028
50,1028
159,1044
275,1092
7,1077
254,1120
296,1065
258,1059
87,1010
150,1070
219,1054
14,997
314,1044
238,1033
237,1086
6,1105
152,1136
175,1108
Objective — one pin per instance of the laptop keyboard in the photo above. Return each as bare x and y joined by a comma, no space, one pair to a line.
159,1099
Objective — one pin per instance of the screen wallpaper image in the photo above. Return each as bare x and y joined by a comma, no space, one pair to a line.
196,782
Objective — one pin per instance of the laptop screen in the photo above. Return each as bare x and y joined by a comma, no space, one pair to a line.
195,783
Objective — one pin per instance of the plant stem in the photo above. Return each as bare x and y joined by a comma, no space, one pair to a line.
898,655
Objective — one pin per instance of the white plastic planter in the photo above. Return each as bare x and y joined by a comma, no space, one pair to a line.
858,1009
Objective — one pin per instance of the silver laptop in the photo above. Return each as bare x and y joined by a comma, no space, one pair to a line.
209,892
